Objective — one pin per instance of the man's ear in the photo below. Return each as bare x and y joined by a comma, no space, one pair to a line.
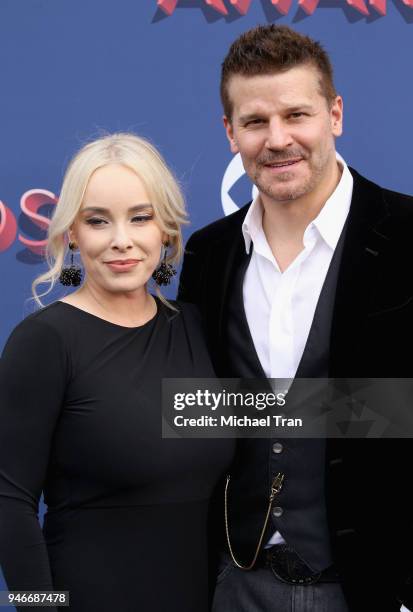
230,135
336,113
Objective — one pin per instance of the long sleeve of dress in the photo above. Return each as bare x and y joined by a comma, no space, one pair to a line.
32,384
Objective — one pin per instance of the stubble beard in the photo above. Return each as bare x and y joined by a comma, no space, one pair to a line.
275,190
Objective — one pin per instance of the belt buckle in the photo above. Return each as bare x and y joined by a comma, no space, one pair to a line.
287,566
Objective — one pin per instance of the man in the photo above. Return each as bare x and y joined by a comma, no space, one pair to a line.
312,279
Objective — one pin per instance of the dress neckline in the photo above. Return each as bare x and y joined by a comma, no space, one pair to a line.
89,314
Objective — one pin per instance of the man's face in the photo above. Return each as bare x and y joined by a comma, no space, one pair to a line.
284,131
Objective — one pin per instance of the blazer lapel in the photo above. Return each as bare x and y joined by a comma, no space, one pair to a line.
367,243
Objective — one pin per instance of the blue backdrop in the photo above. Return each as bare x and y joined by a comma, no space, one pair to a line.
70,69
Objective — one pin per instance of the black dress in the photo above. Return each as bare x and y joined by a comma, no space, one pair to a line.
80,418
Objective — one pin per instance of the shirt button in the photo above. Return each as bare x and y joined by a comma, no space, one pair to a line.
277,448
277,512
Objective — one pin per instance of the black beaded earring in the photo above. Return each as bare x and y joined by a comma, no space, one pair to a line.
71,276
163,274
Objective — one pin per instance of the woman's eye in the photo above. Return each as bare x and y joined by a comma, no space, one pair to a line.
95,221
141,218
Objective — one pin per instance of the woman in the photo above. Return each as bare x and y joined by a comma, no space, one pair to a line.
80,403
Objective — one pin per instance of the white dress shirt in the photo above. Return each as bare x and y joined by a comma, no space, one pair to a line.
280,306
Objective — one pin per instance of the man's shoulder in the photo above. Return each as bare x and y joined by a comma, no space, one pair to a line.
398,204
217,230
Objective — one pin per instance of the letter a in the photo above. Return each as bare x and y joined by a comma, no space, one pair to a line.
168,6
242,6
282,6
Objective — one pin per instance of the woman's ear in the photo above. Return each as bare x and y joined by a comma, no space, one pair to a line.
71,234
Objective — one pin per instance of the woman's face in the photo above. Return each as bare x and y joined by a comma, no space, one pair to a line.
115,230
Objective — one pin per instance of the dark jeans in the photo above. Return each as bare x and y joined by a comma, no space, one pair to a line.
258,590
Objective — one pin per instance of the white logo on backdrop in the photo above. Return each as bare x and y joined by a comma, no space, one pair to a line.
235,170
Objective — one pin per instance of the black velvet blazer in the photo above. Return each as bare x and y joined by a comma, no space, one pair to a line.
368,482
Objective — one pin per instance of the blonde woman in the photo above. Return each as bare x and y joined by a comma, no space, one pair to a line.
80,402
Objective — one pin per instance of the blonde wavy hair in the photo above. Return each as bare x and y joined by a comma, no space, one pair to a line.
135,153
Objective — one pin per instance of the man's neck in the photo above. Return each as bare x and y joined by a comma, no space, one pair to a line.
284,223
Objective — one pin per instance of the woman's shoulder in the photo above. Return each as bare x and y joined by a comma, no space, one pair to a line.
182,311
42,328
187,339
187,321
49,317
38,337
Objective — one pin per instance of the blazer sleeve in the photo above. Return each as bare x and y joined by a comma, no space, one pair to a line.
32,386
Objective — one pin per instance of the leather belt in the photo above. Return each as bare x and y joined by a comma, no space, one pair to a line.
288,567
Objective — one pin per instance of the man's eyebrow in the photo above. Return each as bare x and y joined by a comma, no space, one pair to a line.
298,107
249,117
287,109
103,210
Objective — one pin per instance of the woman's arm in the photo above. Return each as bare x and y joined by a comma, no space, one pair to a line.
32,385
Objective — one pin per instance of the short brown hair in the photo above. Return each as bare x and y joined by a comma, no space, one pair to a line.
270,49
